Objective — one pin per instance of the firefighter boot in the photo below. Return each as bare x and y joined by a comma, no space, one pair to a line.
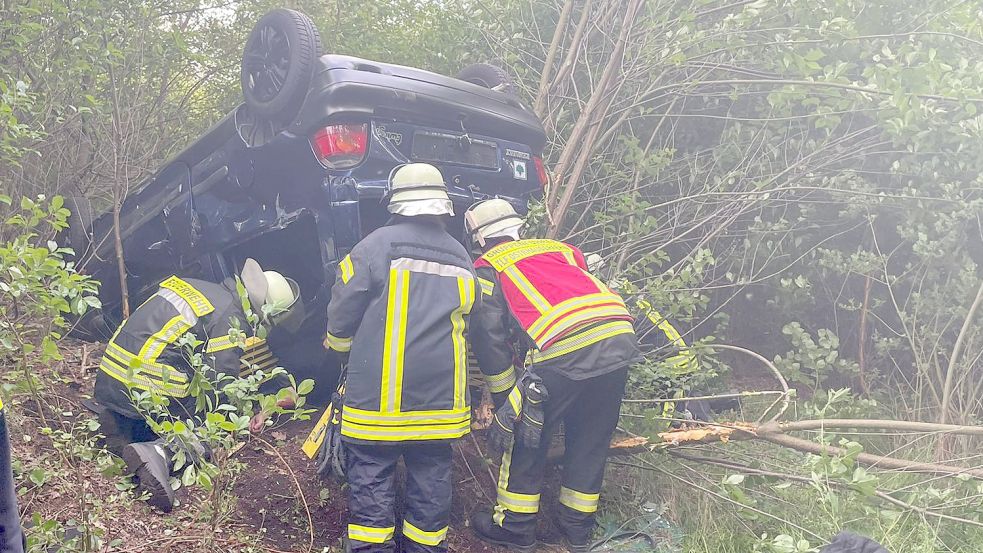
151,465
486,530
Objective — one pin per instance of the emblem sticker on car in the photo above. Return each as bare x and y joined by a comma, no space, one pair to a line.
394,137
518,169
516,153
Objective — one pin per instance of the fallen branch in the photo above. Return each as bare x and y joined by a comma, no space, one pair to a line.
775,433
795,478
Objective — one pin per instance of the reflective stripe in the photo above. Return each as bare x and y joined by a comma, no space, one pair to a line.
579,501
581,340
199,303
429,267
164,337
503,483
466,293
127,359
422,536
573,321
685,361
487,286
403,433
574,306
518,502
347,269
179,303
501,382
527,289
571,259
257,357
515,400
509,253
137,377
395,340
362,416
337,343
369,534
220,344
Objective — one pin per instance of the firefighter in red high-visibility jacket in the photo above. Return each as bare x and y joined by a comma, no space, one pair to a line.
538,297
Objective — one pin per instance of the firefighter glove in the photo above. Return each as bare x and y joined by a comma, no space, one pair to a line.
529,428
501,434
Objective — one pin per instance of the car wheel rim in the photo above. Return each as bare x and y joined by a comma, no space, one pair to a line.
266,63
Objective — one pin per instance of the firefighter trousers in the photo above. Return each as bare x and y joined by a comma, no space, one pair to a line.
588,410
11,536
371,474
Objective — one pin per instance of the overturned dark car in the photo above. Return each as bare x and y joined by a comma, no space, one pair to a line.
296,175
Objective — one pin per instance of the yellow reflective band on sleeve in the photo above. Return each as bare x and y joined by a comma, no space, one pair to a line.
394,340
487,286
369,534
466,293
501,382
1,403
198,302
581,340
337,343
167,335
220,343
683,362
527,289
347,269
579,501
257,357
515,400
422,536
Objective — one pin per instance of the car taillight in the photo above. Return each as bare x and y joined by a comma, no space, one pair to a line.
341,146
541,171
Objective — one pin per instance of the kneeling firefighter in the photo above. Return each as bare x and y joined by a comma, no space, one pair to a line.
11,536
145,354
400,309
538,297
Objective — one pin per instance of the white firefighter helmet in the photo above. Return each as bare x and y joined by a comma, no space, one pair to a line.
419,189
270,288
492,219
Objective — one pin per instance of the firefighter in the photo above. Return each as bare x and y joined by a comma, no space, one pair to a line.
11,536
399,310
541,304
145,354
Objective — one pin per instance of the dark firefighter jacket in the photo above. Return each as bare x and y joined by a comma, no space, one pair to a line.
144,354
11,537
401,305
549,286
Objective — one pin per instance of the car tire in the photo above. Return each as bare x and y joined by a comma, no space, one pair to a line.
488,76
278,63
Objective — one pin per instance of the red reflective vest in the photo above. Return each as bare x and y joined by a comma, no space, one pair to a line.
549,290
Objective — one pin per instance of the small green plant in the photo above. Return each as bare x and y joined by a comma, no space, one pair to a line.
39,287
813,361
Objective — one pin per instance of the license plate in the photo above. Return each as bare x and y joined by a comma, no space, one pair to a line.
455,148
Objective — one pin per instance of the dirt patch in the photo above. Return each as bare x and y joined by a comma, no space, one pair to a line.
69,495
270,503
